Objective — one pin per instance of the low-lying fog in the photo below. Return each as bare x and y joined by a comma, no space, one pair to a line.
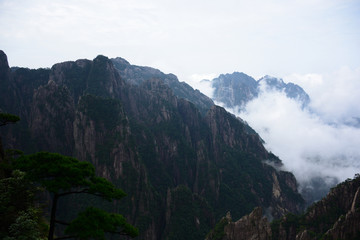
320,144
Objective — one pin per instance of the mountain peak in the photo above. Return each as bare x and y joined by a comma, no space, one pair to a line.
229,78
226,88
237,89
272,82
3,61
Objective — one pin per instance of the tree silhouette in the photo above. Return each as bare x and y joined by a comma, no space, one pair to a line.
7,118
62,176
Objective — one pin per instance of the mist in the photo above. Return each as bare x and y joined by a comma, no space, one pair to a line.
309,147
319,144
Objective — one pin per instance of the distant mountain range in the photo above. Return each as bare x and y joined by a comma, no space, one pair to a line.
237,89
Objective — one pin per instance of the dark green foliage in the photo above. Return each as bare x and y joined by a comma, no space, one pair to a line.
188,213
19,218
105,111
27,226
93,223
6,118
275,227
241,177
54,171
62,176
107,114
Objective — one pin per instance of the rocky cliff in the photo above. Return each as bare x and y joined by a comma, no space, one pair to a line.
181,166
253,226
336,216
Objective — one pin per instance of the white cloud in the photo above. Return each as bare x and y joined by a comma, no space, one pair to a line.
305,141
202,83
315,142
336,96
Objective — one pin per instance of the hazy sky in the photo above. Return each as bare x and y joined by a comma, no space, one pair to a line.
188,38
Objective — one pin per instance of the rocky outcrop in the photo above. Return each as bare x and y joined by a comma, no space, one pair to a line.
253,226
4,65
348,226
337,216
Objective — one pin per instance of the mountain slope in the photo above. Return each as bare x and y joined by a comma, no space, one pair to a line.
336,216
137,75
181,168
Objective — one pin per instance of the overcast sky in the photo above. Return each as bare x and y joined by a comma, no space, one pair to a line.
191,39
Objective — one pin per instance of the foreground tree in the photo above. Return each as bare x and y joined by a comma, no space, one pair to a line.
20,218
62,176
7,118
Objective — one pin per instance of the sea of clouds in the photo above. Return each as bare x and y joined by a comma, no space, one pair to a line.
320,144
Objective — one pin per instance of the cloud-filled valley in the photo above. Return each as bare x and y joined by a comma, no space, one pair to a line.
319,143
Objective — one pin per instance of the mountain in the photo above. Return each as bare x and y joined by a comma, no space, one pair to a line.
183,164
234,89
237,89
139,74
336,216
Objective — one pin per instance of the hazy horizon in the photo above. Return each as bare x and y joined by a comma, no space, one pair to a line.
191,39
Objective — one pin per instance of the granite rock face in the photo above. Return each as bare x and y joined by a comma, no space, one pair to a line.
336,216
253,226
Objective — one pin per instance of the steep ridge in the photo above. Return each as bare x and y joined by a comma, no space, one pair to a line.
182,170
138,74
336,216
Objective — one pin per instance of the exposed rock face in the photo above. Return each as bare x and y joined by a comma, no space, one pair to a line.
292,90
337,216
182,168
251,227
234,89
4,65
